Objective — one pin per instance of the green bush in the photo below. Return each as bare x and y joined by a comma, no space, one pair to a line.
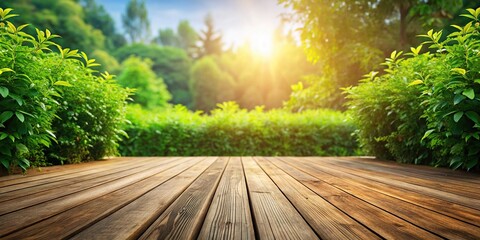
151,92
230,130
425,109
27,101
453,100
388,111
48,96
90,116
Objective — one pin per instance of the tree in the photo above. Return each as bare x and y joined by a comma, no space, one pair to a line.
171,64
209,84
62,17
351,37
135,21
150,91
167,37
98,17
187,36
210,42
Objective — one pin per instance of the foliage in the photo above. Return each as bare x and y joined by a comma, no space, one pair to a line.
170,64
167,37
185,38
428,101
135,21
238,132
453,100
151,92
210,42
90,115
107,62
209,84
52,96
27,101
64,17
349,38
265,80
388,111
98,17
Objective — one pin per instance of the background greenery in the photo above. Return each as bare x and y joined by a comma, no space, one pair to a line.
233,131
57,105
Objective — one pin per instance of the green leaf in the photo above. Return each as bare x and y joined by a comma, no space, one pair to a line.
471,163
5,116
469,93
62,83
458,99
5,70
427,133
4,91
20,116
5,162
460,71
21,148
457,116
473,116
3,136
416,82
24,163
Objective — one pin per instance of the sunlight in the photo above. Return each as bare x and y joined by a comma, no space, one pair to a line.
261,43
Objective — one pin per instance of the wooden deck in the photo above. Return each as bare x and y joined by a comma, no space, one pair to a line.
241,198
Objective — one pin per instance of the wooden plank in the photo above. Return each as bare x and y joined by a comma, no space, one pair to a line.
385,224
447,185
437,193
84,215
28,216
132,220
432,221
184,218
68,184
63,170
28,185
229,214
327,221
274,215
439,173
71,188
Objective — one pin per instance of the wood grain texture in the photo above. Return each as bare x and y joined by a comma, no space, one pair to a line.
275,217
381,222
229,214
30,215
241,198
80,217
39,193
132,220
424,180
439,224
448,208
184,218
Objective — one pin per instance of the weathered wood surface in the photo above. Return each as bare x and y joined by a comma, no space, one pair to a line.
241,198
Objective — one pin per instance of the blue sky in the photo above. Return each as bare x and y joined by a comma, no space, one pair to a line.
235,19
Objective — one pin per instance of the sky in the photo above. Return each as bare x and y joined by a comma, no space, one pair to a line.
237,20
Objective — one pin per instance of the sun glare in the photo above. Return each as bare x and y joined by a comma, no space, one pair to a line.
261,43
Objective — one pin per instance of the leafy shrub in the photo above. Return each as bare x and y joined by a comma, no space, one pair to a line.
90,116
230,130
453,100
27,103
425,109
169,63
388,111
44,94
151,92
